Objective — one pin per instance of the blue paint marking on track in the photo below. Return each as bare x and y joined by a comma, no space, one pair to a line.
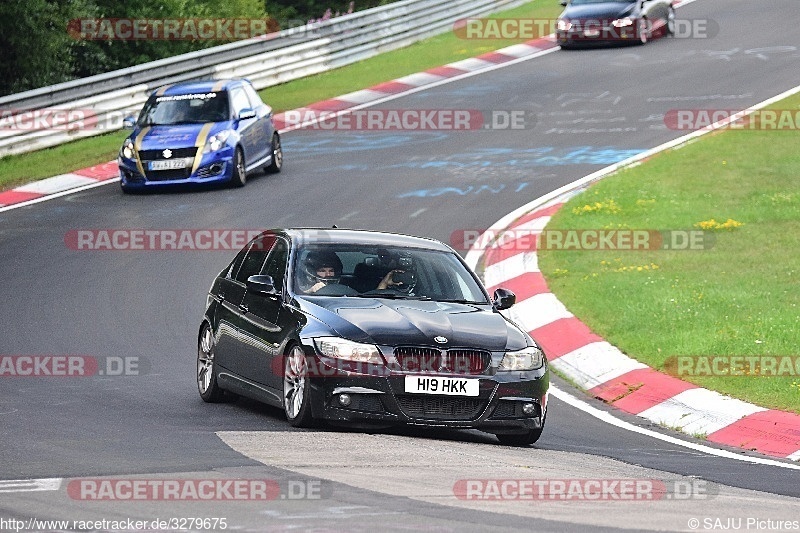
321,144
465,190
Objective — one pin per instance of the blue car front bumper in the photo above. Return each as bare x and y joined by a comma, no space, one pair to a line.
214,167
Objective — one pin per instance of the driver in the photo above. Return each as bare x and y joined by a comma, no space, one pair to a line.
321,269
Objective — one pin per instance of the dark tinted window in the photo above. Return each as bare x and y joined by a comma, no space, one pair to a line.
254,259
276,264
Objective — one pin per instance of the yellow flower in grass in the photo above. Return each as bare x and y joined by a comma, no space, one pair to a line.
637,268
606,206
713,225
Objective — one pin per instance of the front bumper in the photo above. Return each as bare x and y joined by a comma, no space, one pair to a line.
597,33
382,400
216,167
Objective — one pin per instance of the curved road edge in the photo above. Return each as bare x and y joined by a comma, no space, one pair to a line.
601,368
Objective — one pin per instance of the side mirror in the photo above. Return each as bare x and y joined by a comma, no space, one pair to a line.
247,113
128,123
261,285
564,3
503,299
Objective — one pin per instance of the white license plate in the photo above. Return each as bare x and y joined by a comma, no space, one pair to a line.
168,164
448,386
592,33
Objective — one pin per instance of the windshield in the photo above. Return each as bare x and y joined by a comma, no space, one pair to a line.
384,272
185,109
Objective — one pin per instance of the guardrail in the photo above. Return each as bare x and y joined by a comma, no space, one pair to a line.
96,105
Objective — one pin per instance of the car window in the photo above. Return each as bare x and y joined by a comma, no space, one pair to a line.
276,263
252,95
254,260
185,109
239,100
233,269
427,274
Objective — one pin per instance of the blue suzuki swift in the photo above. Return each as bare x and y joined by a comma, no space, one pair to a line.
199,132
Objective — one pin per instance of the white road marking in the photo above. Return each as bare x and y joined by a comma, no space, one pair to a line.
30,485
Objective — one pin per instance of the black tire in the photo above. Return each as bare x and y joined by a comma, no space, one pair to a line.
125,190
239,176
522,439
296,390
277,155
670,24
207,385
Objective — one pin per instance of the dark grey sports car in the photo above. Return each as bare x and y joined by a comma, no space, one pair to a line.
369,329
586,22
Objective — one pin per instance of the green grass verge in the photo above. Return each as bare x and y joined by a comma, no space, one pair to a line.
740,297
430,53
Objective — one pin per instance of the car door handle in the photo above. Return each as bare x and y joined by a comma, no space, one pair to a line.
244,309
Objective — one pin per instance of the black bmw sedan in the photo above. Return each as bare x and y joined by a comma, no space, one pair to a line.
586,22
369,329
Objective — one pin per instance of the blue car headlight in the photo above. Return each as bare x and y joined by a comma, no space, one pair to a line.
530,358
215,142
127,149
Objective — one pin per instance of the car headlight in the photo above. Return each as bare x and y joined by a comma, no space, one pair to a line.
529,358
215,142
127,149
564,25
348,350
622,23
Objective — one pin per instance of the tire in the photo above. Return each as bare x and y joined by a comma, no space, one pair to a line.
239,176
125,190
522,439
207,385
296,400
671,21
277,155
644,31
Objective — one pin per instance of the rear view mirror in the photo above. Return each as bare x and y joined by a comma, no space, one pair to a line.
128,123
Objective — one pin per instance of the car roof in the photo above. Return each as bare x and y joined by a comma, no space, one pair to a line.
305,236
200,86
